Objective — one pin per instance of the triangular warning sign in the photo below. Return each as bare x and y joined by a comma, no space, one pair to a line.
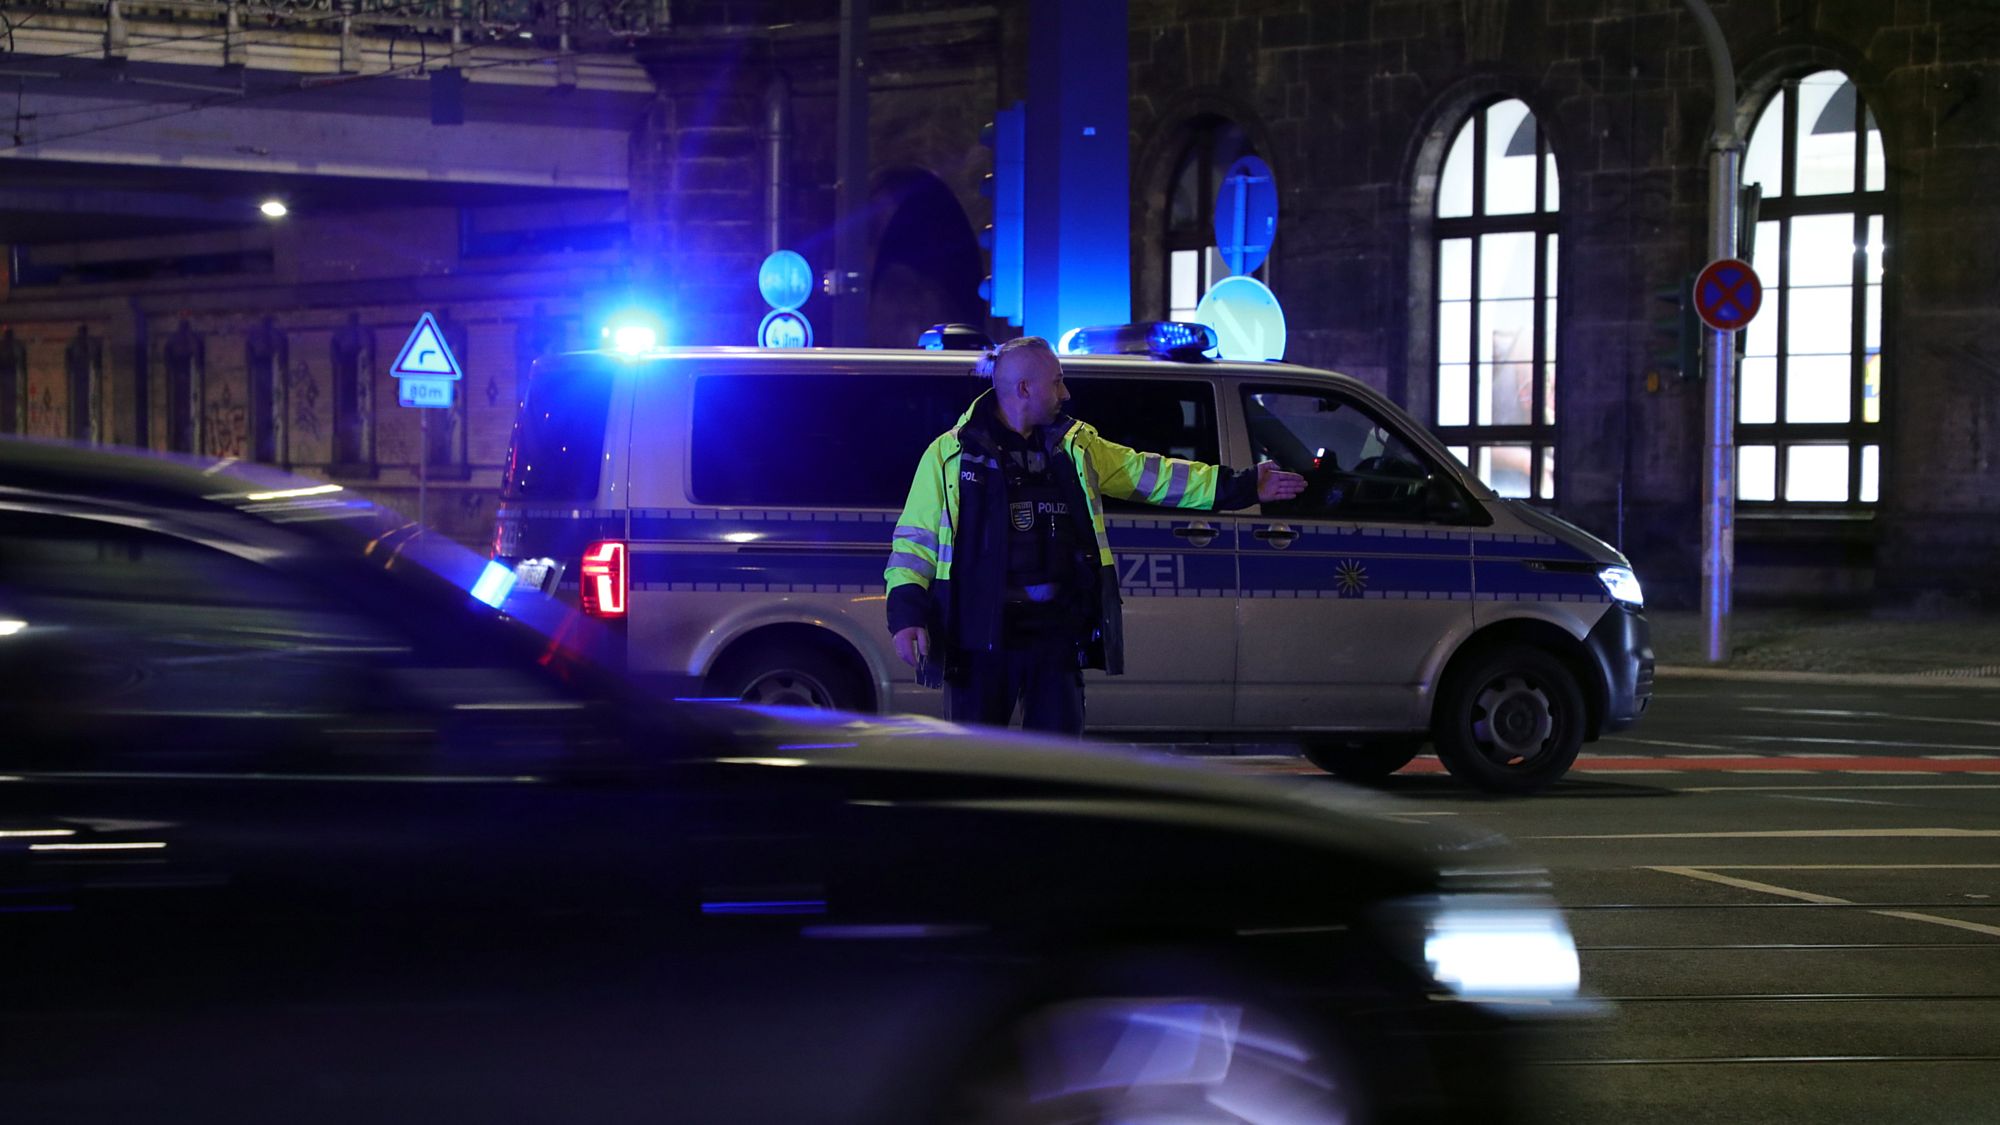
426,354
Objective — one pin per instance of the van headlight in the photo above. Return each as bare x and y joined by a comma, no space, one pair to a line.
1622,584
1498,949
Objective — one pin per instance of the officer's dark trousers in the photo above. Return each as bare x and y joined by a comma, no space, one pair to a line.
1042,679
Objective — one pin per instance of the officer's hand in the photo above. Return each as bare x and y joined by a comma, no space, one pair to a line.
913,644
1274,483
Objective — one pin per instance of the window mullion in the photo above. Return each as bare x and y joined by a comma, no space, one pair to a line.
1857,358
1785,323
1472,346
1538,354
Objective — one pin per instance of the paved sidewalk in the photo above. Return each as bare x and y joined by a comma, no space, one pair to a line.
1783,643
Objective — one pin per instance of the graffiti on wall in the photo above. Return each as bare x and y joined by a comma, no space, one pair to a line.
225,423
305,389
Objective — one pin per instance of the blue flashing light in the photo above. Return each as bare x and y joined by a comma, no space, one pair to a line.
632,339
634,332
953,337
494,584
1163,339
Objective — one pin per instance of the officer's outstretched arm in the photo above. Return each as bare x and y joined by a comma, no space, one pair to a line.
1150,478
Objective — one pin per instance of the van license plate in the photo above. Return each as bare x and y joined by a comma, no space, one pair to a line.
532,572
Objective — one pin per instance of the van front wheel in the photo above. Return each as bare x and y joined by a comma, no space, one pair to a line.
1510,721
788,676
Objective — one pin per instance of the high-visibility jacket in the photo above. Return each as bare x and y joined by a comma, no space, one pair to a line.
948,559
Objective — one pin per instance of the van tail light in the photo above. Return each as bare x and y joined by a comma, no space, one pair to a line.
604,579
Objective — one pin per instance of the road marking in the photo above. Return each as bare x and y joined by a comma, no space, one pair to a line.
1750,763
1765,1060
1802,834
1991,750
1817,788
1817,763
1664,742
1733,756
1874,715
1834,800
1852,867
1824,900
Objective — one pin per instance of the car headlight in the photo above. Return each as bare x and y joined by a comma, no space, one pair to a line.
1622,584
1499,948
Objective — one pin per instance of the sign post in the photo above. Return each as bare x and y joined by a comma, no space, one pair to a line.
1718,481
426,377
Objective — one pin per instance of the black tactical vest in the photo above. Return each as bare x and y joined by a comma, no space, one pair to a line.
1041,530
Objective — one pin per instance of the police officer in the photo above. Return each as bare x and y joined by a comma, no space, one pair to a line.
1001,582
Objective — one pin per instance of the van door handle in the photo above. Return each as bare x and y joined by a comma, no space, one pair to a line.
1278,535
1199,534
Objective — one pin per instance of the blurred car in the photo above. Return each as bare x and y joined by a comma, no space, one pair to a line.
305,816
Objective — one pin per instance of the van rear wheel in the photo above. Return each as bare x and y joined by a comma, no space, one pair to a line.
1510,721
1362,759
788,676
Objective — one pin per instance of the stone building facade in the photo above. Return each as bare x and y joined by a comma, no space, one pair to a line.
1355,106
1874,483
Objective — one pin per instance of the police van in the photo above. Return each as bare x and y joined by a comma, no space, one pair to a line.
730,511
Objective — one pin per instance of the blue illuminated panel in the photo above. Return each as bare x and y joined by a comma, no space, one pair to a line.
1077,215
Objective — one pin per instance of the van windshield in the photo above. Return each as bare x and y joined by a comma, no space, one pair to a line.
558,445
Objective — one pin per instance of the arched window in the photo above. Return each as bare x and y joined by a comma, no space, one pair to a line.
1193,261
1496,301
1809,399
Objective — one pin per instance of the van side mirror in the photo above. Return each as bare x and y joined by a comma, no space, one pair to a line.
1444,501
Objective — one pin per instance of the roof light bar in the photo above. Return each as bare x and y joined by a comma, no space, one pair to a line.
1163,339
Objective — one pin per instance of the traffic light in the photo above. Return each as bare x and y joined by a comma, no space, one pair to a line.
1006,186
1674,339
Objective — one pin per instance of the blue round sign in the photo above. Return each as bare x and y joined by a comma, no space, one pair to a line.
785,279
1246,317
785,328
1246,214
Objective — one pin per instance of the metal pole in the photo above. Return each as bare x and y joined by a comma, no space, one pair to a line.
1718,482
850,239
423,462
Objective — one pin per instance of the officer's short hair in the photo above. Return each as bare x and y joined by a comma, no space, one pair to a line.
988,363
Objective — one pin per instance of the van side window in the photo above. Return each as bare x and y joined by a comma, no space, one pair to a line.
1355,465
833,440
1171,416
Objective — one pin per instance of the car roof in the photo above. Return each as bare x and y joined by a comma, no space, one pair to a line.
69,467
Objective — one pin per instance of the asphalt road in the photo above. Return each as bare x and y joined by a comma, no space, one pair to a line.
1788,894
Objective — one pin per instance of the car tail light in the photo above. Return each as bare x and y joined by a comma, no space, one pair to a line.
604,579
